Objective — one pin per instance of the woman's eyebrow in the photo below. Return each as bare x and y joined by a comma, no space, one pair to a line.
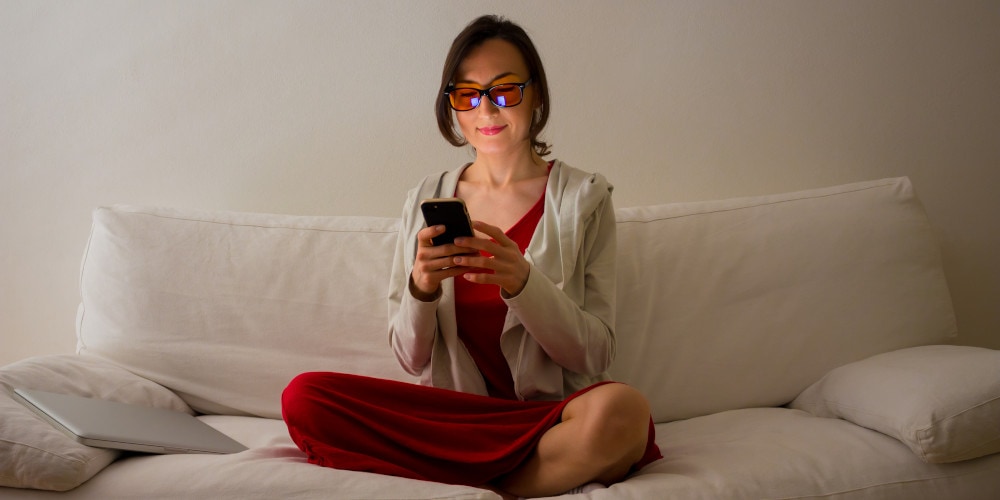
495,78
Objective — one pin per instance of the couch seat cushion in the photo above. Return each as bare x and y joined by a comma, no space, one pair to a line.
272,468
784,453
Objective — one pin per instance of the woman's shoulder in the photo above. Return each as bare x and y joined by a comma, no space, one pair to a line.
570,178
438,185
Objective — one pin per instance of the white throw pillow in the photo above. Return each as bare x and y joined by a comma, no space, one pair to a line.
33,453
942,401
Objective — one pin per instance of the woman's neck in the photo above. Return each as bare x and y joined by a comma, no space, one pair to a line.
503,171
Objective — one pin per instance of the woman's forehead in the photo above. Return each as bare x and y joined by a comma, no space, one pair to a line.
494,61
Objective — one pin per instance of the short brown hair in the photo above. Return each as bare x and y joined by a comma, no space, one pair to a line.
478,31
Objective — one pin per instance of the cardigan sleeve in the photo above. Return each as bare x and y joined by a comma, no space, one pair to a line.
412,322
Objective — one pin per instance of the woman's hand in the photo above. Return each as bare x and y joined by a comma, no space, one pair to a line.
510,269
434,264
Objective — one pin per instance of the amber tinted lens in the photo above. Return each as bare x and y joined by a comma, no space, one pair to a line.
464,99
506,95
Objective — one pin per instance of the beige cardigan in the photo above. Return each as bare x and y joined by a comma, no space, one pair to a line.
559,333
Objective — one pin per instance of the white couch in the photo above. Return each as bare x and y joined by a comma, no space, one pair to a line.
792,346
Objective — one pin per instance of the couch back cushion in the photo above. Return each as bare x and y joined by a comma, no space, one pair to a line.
722,304
225,308
746,302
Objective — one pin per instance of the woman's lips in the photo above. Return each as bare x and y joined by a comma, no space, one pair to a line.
492,130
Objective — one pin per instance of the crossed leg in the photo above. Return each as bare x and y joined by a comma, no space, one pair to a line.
603,432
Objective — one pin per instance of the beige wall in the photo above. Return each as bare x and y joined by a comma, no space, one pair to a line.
314,107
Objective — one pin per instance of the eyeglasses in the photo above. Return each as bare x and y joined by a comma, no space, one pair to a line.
505,95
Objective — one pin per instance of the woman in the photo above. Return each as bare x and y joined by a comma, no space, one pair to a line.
510,330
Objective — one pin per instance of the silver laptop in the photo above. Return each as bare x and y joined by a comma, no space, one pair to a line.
108,424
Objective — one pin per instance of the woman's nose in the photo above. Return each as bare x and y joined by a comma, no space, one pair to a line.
486,106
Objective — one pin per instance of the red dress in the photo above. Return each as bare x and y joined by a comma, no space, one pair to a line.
480,315
374,425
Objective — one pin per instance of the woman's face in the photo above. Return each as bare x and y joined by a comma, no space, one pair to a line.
488,128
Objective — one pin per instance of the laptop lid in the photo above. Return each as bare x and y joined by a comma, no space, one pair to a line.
108,424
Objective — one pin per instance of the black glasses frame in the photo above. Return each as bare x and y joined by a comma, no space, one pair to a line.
487,93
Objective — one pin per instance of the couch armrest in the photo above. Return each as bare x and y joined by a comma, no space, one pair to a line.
33,453
942,401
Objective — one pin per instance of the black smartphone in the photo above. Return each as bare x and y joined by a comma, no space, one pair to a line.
449,212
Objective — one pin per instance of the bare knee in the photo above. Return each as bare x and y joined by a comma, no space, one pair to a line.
602,434
614,425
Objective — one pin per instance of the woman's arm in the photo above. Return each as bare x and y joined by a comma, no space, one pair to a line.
574,323
412,322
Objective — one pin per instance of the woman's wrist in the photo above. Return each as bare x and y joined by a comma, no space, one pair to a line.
421,295
514,292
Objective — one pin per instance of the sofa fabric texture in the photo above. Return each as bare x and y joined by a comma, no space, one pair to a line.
791,346
746,302
226,308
